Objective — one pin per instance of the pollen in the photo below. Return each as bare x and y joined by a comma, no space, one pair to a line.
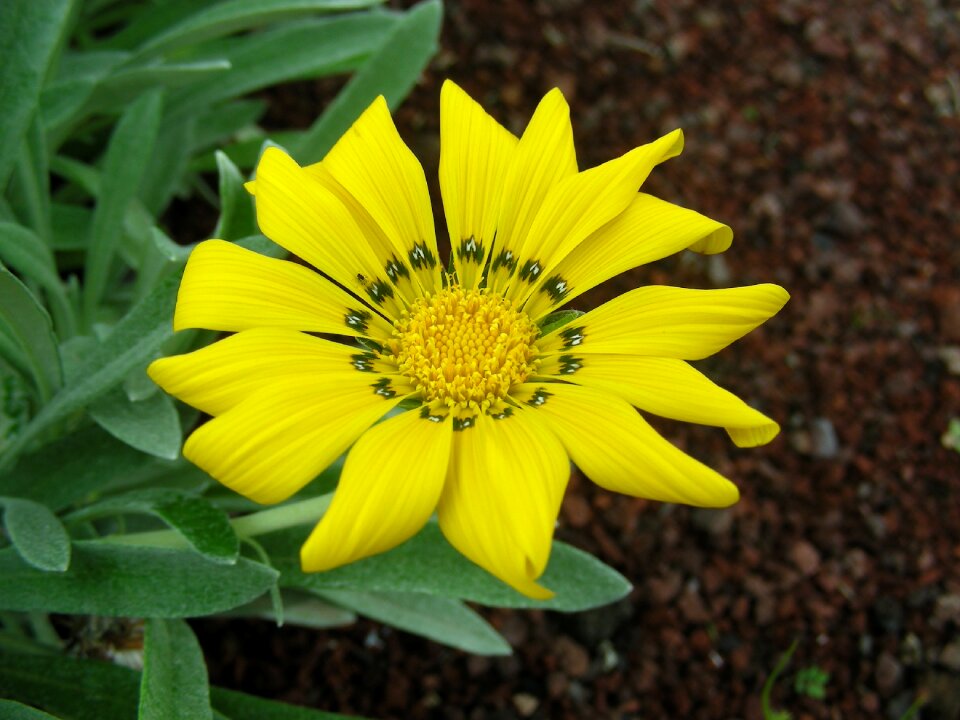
464,348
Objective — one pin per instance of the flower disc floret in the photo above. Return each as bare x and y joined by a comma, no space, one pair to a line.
464,348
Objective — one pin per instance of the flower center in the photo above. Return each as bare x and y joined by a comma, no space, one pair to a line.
464,347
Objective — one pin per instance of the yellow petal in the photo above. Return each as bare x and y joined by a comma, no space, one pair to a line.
306,218
502,496
670,388
544,156
475,152
374,165
389,488
578,205
618,450
662,321
649,229
219,376
281,437
225,287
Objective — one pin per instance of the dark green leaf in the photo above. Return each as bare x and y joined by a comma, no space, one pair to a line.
392,71
233,15
126,581
27,325
75,466
134,340
428,564
93,690
11,710
24,251
30,33
63,100
174,681
306,49
126,161
201,524
125,85
151,425
236,206
441,619
37,534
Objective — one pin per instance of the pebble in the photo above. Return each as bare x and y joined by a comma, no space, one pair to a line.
572,657
823,439
526,704
950,656
806,557
888,674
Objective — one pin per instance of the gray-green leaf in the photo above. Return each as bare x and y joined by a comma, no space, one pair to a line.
428,564
174,681
27,326
30,33
391,71
123,581
204,526
37,534
150,425
441,619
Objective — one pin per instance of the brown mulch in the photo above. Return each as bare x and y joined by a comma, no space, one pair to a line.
826,134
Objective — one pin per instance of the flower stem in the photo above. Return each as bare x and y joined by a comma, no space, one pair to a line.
246,526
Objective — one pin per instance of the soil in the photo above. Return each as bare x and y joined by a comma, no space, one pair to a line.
826,134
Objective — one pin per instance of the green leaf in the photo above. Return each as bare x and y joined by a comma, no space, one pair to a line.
299,608
63,101
428,564
94,690
126,160
12,710
228,17
75,466
204,526
30,33
306,49
37,534
151,425
14,404
218,124
392,72
134,340
24,251
443,620
27,326
236,206
126,84
173,685
126,581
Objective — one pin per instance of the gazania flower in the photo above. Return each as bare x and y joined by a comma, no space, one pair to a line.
481,404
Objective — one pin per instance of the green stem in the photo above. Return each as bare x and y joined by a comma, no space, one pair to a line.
768,712
246,526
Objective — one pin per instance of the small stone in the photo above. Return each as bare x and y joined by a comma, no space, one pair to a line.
950,656
806,557
823,439
911,650
526,704
572,657
947,609
888,674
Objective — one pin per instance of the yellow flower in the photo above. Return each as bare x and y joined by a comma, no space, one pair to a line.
500,408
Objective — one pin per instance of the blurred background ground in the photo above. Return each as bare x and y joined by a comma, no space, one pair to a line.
825,134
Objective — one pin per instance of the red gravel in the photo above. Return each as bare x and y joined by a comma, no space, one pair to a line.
825,134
